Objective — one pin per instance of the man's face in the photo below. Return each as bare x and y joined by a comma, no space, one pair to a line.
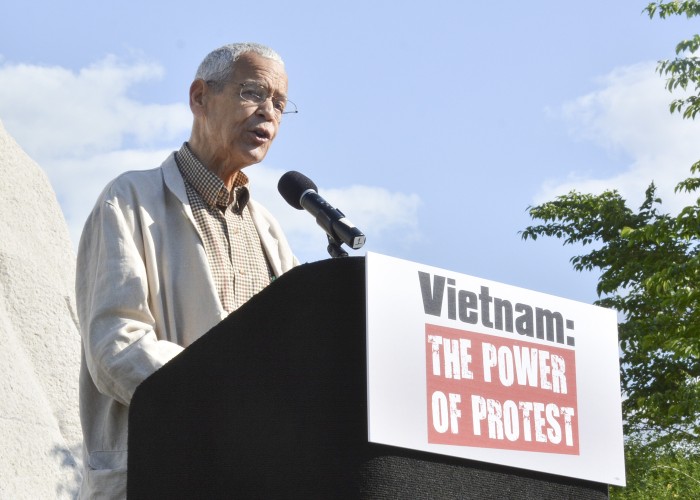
237,133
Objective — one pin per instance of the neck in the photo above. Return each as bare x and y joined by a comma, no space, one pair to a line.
224,171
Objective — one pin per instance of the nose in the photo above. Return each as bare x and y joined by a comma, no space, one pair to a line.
267,109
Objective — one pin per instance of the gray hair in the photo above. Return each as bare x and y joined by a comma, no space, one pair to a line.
217,66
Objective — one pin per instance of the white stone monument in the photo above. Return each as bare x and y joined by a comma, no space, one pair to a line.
40,436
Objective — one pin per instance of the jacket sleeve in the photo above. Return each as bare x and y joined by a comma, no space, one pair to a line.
121,344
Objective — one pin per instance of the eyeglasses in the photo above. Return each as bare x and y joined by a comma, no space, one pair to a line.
257,94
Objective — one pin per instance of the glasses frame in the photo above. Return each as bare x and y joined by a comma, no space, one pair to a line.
216,84
266,95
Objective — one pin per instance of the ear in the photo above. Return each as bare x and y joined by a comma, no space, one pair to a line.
198,91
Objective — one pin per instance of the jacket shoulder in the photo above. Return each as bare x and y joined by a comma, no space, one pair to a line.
129,184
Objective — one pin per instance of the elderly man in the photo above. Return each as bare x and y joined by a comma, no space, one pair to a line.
168,253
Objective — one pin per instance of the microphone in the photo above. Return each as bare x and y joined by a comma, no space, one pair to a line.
301,193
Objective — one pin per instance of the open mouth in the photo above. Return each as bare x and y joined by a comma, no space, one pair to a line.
262,134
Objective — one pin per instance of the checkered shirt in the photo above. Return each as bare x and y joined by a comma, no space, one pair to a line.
236,256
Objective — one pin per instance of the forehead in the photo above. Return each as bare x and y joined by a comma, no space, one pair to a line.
252,66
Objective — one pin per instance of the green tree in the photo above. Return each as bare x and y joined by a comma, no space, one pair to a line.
655,473
649,265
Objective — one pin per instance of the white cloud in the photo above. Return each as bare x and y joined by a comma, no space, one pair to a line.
83,129
385,217
57,113
630,114
76,125
378,208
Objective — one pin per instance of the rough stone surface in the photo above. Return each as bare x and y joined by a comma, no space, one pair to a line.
40,437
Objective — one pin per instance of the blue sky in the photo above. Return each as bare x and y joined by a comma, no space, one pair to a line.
433,126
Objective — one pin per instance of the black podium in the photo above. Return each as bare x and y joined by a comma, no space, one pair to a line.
272,403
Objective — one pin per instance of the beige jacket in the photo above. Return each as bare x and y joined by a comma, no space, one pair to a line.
144,292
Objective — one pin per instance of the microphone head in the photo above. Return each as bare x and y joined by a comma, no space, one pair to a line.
293,185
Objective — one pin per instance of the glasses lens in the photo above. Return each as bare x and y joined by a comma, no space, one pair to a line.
252,92
279,104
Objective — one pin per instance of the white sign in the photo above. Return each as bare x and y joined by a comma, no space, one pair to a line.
472,368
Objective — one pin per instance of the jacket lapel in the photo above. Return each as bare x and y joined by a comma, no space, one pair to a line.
267,239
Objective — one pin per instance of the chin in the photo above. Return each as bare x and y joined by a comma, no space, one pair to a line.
257,156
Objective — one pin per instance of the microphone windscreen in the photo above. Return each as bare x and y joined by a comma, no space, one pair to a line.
292,185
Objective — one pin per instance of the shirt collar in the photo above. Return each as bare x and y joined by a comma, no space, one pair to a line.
209,186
